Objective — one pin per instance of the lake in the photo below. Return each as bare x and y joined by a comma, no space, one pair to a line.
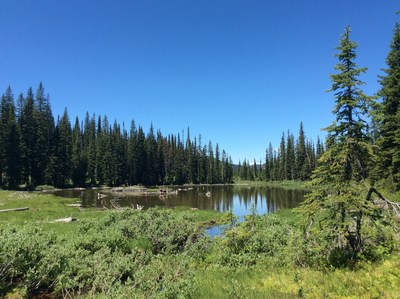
239,198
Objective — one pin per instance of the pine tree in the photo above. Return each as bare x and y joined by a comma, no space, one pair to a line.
63,152
178,163
301,157
290,158
100,147
151,172
43,132
210,164
89,145
78,157
118,156
389,124
337,208
58,170
140,157
10,155
189,156
282,174
217,173
202,165
28,139
161,149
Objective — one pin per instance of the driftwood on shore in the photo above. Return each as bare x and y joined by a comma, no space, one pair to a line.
16,209
68,219
78,205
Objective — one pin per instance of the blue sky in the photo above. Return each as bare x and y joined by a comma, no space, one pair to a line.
237,72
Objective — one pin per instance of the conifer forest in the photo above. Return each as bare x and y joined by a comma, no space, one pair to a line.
37,150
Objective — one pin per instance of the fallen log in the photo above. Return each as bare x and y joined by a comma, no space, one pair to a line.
16,209
68,219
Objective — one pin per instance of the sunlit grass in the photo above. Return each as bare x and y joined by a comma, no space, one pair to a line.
44,210
381,280
214,280
278,184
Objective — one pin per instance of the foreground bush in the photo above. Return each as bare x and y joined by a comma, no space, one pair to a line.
127,252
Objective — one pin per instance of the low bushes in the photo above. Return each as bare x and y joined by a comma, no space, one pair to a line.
160,253
121,253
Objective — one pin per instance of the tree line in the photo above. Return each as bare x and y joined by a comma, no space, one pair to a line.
36,149
295,159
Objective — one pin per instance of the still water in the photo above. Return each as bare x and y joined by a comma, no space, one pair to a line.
241,199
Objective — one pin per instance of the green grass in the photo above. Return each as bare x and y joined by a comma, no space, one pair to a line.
378,280
214,280
278,184
45,208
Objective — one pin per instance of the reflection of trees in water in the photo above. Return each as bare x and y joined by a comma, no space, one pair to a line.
223,198
269,199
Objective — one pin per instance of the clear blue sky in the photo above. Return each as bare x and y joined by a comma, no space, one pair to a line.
237,72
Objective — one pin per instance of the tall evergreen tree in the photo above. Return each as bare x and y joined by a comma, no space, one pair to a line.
389,122
78,157
10,155
43,132
131,155
140,156
89,144
290,158
210,164
118,156
151,171
282,174
337,206
217,172
28,138
161,148
301,166
189,164
61,165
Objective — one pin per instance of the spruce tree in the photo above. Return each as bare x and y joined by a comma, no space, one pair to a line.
189,157
342,222
389,124
10,154
210,164
282,174
118,156
28,139
61,164
151,172
78,157
131,155
217,172
100,147
140,156
43,131
161,149
301,155
290,158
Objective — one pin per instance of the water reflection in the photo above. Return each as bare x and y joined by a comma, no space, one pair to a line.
241,199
